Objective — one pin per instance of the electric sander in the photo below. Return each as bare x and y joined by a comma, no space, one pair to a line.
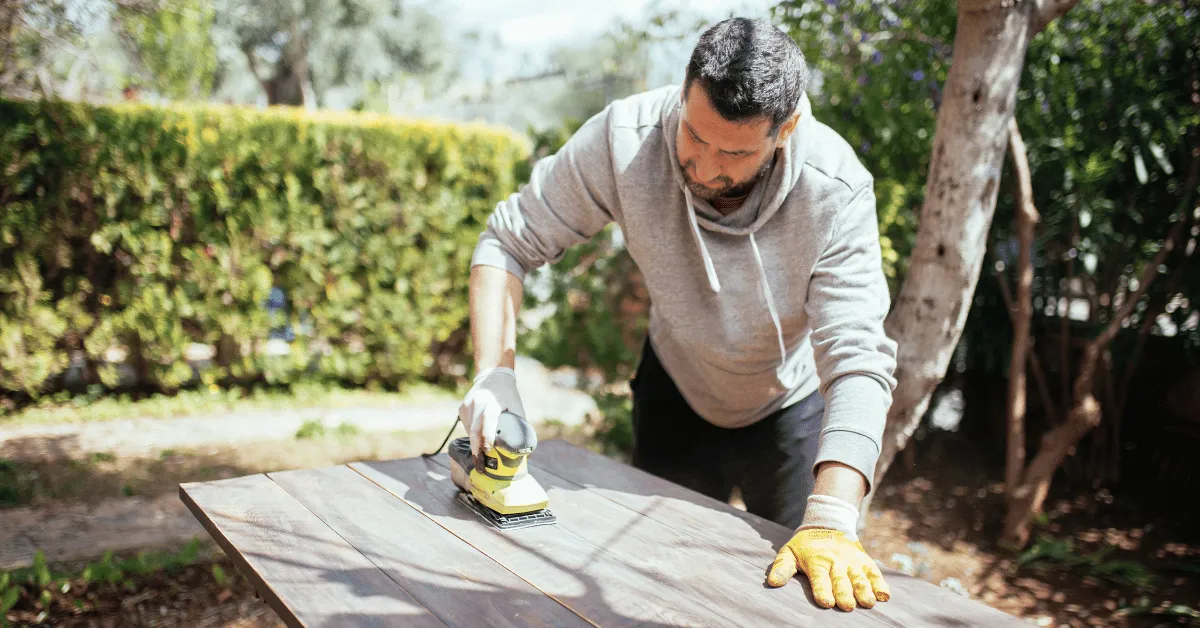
497,484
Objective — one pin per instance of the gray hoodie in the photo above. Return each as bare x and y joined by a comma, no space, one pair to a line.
749,312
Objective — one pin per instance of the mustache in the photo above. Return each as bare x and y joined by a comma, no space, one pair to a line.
687,171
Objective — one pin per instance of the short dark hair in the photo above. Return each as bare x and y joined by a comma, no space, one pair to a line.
749,69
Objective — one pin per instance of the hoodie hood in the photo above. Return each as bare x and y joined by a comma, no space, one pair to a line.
762,203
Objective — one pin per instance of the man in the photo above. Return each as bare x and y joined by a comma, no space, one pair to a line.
766,365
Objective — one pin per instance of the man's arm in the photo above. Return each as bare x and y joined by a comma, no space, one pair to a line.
495,301
570,196
841,481
848,301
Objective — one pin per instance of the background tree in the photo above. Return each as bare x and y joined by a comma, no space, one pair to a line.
41,43
170,45
300,51
1113,103
1106,112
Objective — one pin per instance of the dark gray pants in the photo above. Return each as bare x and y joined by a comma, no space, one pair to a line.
769,461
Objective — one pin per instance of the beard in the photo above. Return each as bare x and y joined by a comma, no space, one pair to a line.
726,187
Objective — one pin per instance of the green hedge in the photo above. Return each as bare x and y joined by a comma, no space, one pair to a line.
149,229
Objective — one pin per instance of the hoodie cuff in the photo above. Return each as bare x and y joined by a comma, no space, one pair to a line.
490,252
856,409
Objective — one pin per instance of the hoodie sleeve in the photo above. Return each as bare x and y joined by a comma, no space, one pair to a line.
570,197
847,302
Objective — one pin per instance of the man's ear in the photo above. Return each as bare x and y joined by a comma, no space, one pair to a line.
785,131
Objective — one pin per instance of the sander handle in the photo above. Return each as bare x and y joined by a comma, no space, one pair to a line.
513,432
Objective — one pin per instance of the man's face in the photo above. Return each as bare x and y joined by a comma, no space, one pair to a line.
720,157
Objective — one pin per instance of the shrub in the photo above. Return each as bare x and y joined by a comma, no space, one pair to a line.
344,237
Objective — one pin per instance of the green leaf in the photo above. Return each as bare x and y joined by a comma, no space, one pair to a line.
8,598
41,572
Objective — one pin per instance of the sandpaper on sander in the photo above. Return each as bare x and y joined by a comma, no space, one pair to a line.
497,484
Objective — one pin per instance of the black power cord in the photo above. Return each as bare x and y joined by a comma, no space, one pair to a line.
448,435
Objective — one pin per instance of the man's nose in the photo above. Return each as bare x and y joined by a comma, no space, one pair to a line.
706,170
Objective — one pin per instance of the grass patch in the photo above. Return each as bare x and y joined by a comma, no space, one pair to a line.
39,594
65,408
1180,614
1061,553
311,429
346,431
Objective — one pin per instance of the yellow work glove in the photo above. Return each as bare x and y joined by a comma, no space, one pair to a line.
837,566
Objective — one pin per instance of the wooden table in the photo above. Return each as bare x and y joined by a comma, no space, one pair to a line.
386,544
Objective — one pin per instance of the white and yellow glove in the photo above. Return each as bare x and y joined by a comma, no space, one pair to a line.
493,391
826,549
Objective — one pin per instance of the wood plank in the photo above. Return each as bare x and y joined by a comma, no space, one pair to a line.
457,583
304,570
605,589
699,577
705,574
748,537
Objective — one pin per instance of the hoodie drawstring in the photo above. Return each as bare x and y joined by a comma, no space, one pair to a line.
762,277
713,283
708,263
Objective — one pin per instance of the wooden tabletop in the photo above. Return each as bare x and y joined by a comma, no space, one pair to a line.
387,544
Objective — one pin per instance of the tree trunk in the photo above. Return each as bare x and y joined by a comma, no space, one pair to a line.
1026,498
1027,217
289,82
969,142
960,197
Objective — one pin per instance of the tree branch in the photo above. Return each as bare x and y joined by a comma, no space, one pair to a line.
1046,11
1035,363
252,63
1027,217
901,36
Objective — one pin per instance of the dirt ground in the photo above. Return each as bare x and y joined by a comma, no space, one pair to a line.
937,520
1127,566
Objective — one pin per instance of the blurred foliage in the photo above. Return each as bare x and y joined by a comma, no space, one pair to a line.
344,237
879,69
33,34
1105,109
1110,118
1108,111
614,434
301,50
171,45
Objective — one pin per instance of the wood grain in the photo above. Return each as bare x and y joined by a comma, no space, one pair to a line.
581,575
704,575
749,538
304,570
457,583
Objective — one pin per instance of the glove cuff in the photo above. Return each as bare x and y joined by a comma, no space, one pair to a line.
825,511
485,373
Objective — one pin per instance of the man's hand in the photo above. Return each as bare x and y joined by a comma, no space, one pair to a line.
494,391
837,567
826,546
